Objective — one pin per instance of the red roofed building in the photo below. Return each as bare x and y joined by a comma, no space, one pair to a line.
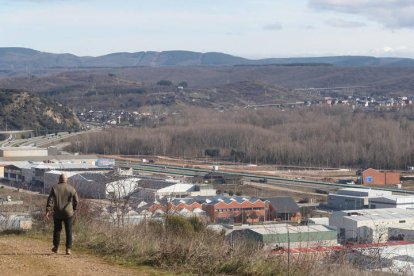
176,206
235,209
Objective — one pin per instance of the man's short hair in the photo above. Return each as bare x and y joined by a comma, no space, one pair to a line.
62,178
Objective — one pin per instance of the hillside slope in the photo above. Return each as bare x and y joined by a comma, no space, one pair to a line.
21,110
131,88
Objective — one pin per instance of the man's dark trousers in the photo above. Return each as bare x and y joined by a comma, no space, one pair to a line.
58,228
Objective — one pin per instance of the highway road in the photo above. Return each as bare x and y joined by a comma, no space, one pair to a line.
271,180
41,141
6,141
15,131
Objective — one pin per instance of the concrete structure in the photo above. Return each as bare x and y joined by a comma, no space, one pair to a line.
392,201
88,159
182,190
353,198
235,209
22,152
318,221
369,225
374,177
15,222
1,171
121,188
274,236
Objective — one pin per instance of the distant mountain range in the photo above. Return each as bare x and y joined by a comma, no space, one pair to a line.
14,59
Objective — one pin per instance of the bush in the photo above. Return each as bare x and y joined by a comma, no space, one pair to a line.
177,225
164,83
184,84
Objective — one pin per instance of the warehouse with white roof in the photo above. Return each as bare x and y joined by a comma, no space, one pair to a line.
182,190
392,201
369,225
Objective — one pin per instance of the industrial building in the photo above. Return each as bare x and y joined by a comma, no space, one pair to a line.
180,206
95,184
282,208
353,198
274,236
392,201
32,174
369,225
22,152
374,177
182,190
237,209
19,171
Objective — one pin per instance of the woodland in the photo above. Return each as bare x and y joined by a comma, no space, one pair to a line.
315,136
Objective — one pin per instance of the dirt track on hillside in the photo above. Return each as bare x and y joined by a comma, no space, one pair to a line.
24,256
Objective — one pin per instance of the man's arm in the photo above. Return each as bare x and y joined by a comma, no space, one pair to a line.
75,201
50,202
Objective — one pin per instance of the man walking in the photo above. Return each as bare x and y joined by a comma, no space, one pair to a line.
63,201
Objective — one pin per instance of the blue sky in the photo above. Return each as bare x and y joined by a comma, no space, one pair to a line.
249,28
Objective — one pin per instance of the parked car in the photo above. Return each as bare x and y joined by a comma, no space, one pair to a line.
346,181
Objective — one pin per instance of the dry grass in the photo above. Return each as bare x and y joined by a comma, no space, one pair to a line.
183,245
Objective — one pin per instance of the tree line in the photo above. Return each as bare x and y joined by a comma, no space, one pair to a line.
322,137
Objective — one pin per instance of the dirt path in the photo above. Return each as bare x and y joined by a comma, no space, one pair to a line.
24,256
273,187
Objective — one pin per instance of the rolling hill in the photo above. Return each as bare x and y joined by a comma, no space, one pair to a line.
208,86
15,59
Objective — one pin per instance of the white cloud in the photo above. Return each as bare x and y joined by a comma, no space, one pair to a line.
388,51
273,26
393,14
340,23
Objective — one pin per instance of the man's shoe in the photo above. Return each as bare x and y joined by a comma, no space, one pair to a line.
55,250
68,252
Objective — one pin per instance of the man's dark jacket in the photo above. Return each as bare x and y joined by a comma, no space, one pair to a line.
63,200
